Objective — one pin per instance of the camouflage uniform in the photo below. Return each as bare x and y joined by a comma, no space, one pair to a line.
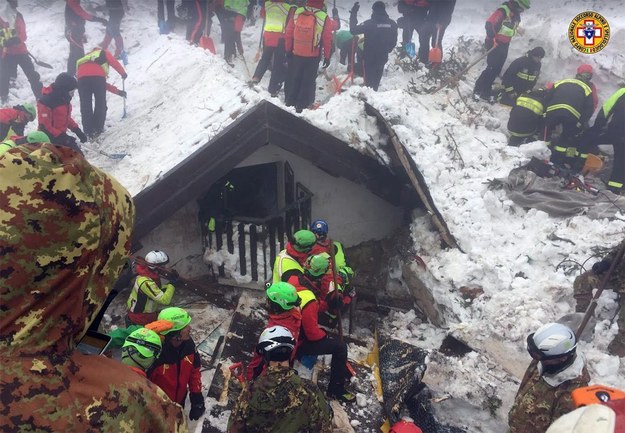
279,402
65,230
538,404
582,291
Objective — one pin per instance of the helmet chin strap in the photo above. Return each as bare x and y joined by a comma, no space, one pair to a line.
137,362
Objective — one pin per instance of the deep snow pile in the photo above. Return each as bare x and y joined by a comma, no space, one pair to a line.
181,96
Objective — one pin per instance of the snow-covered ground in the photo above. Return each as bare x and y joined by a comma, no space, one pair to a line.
180,96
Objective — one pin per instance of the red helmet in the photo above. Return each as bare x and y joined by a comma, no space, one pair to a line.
404,426
584,69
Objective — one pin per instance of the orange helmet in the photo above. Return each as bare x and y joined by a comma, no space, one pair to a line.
584,69
595,394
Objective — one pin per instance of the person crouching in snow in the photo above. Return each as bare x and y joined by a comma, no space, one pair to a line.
92,70
545,391
177,369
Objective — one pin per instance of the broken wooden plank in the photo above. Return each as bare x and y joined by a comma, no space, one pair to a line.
416,178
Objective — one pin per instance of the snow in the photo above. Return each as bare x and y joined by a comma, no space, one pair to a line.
182,96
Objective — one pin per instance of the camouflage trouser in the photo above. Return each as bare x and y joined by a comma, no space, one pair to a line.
582,292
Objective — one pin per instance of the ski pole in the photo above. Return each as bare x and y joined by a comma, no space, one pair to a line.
108,155
336,288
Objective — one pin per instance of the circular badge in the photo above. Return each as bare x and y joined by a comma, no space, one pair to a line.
589,32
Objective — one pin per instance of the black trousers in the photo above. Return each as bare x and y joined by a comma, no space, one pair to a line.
494,65
195,22
300,86
169,7
569,136
276,57
416,20
8,69
92,92
338,365
618,143
76,38
374,68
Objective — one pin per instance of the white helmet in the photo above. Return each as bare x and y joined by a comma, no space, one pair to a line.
275,337
156,257
552,340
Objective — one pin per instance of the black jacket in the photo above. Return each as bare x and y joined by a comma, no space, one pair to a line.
440,12
571,96
521,75
380,35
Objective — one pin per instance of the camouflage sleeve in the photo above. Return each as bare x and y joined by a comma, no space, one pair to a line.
320,411
236,422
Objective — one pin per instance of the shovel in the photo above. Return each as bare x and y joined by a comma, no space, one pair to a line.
206,41
124,113
108,155
436,54
40,63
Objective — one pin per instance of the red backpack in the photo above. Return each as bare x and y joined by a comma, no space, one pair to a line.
304,37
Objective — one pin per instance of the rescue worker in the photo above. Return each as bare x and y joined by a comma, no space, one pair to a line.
54,112
117,9
609,128
92,72
526,117
32,137
177,370
68,226
589,280
14,120
380,38
313,340
570,108
545,391
521,76
308,39
501,27
140,350
75,17
608,417
279,400
148,293
15,53
274,14
320,228
192,11
288,264
233,15
414,19
438,19
282,303
350,49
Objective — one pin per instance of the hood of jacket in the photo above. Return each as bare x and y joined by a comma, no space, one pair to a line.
65,230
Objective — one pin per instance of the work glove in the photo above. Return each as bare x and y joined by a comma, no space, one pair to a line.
81,135
173,276
122,93
197,406
355,8
600,267
489,43
124,76
100,20
335,301
326,63
335,14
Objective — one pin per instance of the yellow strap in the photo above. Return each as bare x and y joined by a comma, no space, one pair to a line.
566,107
615,184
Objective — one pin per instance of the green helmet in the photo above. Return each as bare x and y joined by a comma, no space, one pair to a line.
37,137
176,315
283,294
525,4
29,109
318,264
141,347
303,240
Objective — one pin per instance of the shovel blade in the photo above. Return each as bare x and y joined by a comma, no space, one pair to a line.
436,55
207,43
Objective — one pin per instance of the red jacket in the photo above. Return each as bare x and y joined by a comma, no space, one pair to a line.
20,30
326,36
94,69
495,21
12,118
310,322
54,112
177,370
291,320
272,39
